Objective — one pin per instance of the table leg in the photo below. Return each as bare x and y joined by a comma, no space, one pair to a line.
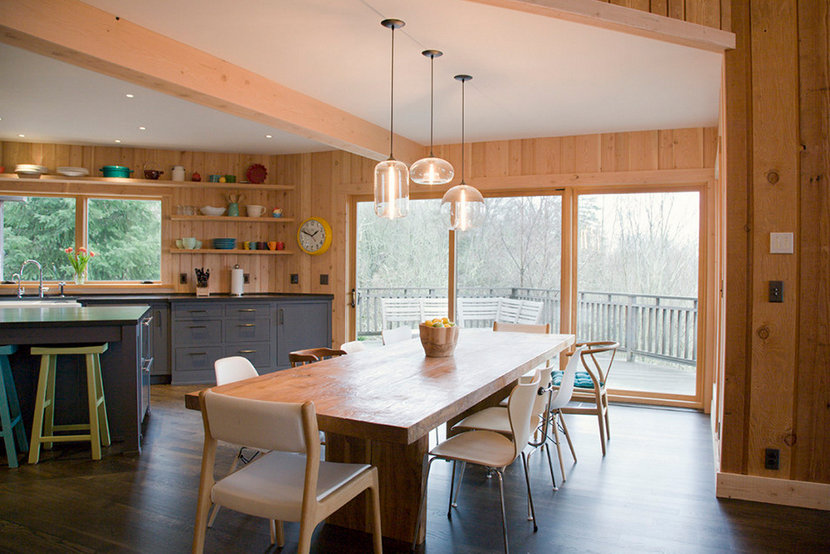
399,471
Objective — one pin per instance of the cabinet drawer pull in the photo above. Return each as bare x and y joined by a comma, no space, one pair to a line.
198,311
247,351
197,353
247,309
247,325
197,326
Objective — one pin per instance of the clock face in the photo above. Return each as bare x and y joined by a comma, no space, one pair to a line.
313,236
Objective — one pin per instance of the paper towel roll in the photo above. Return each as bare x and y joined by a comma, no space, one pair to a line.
237,282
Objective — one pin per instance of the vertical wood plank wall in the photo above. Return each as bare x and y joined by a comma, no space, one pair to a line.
777,356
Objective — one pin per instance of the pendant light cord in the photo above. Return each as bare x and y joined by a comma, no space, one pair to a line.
462,130
431,101
392,100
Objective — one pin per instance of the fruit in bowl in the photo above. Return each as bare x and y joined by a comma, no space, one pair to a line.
438,337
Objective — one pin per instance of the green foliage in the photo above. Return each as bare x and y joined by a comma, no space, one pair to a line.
124,234
39,229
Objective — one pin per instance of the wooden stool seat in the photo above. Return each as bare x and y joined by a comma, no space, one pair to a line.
43,427
10,418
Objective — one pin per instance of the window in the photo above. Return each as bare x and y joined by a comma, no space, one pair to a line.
126,238
38,229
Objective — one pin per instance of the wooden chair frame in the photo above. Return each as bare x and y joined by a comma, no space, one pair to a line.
598,394
311,355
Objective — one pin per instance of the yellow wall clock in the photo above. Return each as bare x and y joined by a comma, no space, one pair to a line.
314,235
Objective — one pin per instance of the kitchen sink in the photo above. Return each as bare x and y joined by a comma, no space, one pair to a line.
39,303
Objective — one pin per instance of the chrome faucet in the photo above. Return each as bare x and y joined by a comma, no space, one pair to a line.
40,276
20,289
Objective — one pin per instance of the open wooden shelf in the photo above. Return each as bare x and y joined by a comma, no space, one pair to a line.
232,219
231,251
145,182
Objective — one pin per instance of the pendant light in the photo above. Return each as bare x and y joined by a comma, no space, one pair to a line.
392,176
431,170
462,207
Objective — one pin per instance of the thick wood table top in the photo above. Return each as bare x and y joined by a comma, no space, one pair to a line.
395,393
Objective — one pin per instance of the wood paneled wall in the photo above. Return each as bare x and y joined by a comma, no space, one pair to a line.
777,356
702,12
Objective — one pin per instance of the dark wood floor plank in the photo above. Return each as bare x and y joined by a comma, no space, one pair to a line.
654,491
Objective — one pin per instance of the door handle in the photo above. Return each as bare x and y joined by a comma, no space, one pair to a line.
355,298
281,317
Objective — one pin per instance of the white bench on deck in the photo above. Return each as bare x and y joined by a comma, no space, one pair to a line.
503,310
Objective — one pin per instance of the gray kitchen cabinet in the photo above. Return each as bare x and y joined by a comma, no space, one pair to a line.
161,343
302,323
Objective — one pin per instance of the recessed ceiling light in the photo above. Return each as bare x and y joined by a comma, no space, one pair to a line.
117,140
268,136
21,135
129,95
142,128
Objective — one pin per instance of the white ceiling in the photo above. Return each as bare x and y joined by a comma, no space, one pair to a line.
532,76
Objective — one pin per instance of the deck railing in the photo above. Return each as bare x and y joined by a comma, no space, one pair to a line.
654,326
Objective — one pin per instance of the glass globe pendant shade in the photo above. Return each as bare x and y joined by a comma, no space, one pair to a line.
391,189
463,208
431,171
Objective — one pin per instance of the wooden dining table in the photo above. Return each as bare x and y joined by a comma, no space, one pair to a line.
378,406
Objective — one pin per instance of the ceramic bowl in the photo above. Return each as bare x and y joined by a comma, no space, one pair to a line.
211,210
255,210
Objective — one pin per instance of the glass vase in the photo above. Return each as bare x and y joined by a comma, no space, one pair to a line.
80,278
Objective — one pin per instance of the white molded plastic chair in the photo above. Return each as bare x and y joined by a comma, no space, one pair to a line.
290,483
232,369
492,450
353,346
398,334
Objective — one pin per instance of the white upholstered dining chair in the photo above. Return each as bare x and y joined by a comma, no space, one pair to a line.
492,450
290,483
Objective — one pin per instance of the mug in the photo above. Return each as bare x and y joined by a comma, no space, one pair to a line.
214,178
189,242
262,245
179,243
230,178
246,245
272,245
252,244
280,246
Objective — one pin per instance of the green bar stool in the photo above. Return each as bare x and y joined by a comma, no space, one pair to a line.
10,418
43,427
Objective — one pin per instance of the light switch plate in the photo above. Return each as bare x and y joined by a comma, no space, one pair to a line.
780,243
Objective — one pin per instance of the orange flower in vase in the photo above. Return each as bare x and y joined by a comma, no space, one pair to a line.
79,260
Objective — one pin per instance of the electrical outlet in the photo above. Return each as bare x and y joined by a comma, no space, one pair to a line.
324,279
771,458
776,291
182,278
246,278
295,278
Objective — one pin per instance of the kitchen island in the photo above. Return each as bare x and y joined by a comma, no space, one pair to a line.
125,365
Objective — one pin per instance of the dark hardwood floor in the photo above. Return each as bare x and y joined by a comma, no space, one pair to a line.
654,492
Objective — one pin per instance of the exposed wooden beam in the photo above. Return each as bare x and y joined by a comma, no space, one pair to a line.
77,33
626,20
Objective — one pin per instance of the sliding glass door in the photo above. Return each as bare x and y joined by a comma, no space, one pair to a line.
637,284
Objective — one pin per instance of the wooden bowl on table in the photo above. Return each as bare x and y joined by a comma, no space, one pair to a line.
438,342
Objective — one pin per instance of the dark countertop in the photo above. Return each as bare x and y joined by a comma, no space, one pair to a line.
72,316
179,297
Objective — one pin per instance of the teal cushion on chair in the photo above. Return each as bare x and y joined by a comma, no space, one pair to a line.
582,380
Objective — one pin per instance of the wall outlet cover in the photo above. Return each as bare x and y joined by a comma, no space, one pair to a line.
295,278
182,278
324,279
246,278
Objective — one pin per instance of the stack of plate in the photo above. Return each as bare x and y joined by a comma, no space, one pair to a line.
224,244
30,170
73,171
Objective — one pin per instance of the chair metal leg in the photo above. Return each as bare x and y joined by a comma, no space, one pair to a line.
529,495
452,482
550,465
426,466
503,513
458,487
